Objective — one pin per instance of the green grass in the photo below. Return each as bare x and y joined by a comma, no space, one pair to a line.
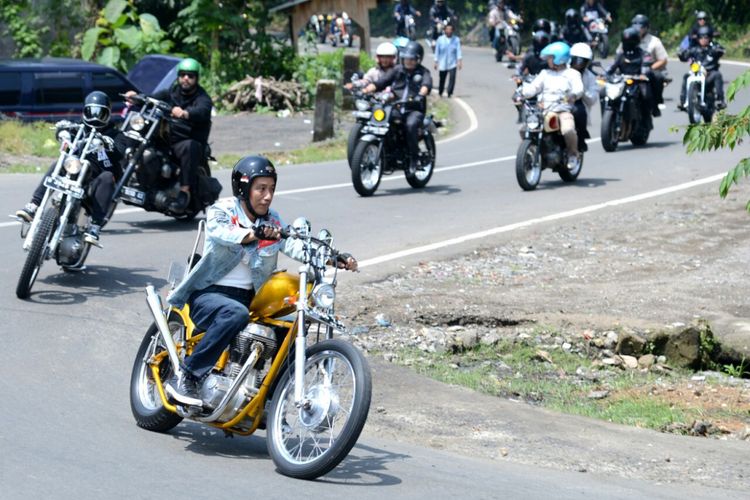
513,370
329,150
34,139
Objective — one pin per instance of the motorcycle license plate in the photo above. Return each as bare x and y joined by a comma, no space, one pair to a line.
133,195
65,186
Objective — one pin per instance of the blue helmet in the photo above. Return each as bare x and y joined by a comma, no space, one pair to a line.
559,51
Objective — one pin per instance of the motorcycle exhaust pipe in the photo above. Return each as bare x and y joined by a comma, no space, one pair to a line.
154,304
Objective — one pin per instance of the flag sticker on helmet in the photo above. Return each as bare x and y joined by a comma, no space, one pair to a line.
245,178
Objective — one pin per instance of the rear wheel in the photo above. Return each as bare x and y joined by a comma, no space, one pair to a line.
307,442
37,252
367,168
571,175
427,155
694,104
528,168
145,401
609,131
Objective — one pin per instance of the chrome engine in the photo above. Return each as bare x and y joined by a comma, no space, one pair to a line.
253,337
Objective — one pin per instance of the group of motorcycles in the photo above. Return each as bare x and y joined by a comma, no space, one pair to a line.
285,372
334,28
150,181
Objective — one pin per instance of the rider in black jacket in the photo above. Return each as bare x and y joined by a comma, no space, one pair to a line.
708,53
410,83
105,165
439,12
191,106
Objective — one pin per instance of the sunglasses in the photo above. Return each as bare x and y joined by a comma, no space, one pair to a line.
191,76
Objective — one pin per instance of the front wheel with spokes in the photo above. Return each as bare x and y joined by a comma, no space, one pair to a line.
367,168
308,441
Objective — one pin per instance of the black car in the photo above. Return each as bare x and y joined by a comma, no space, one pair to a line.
54,88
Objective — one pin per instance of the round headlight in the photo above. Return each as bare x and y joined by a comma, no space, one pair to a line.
532,122
379,115
72,165
137,122
324,295
694,67
362,105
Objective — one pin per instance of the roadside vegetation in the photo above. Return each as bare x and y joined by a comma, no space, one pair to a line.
574,379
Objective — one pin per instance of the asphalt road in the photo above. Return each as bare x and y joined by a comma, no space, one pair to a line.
66,430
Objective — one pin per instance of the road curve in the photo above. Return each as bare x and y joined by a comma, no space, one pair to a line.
66,429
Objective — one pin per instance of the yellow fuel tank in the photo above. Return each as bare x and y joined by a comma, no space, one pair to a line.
277,297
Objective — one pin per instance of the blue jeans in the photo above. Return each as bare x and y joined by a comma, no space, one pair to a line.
222,312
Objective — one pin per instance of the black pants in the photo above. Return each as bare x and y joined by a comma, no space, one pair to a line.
188,153
413,120
580,116
451,73
656,82
714,80
100,190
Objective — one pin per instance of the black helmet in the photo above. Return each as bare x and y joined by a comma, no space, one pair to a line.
413,50
541,40
245,171
705,31
571,16
541,24
640,21
631,37
96,109
701,14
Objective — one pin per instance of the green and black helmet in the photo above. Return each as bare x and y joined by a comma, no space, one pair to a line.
189,65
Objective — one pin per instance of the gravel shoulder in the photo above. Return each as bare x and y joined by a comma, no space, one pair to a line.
647,265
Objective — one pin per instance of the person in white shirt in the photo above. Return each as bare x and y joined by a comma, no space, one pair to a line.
580,58
559,87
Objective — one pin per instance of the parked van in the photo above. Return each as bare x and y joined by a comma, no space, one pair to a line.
54,88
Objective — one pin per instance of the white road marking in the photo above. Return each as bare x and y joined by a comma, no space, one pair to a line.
499,159
539,220
473,122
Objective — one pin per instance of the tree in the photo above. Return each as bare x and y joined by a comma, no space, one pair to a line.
726,131
121,36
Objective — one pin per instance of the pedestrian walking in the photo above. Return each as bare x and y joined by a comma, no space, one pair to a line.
448,59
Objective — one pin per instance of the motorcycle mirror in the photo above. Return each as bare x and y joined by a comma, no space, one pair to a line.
302,226
325,236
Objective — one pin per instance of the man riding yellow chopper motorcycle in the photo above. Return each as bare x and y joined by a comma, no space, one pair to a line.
229,337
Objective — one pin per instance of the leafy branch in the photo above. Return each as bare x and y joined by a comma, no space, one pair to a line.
726,131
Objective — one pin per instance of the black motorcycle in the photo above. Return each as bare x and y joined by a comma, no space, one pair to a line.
58,229
624,114
151,178
543,146
382,148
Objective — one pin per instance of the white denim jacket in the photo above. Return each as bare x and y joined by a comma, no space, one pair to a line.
226,226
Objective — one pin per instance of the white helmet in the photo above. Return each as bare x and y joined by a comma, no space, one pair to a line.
386,49
581,50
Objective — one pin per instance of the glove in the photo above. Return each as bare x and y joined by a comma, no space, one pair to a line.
64,124
265,231
109,143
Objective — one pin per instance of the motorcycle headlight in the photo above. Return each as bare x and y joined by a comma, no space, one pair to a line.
72,165
694,67
362,105
614,90
137,122
532,122
379,115
324,295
